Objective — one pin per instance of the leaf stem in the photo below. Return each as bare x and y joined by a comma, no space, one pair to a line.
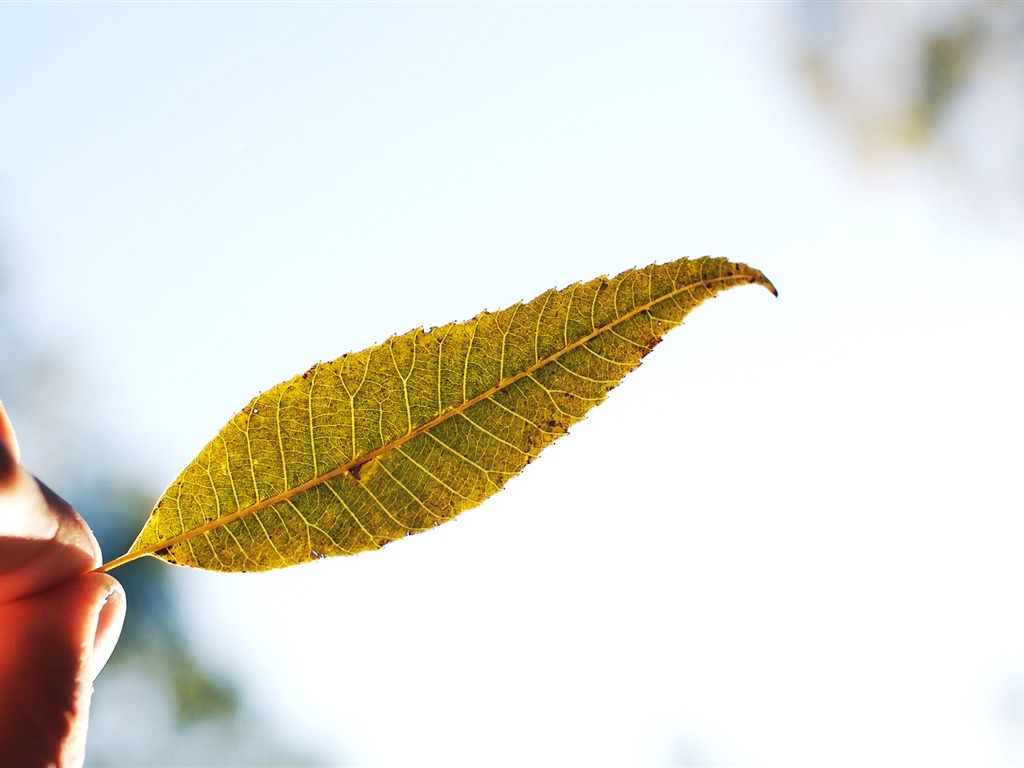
127,557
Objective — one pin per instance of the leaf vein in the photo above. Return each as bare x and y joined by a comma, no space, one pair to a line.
430,474
411,495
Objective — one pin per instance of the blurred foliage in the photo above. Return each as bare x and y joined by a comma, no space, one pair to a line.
910,79
941,83
155,703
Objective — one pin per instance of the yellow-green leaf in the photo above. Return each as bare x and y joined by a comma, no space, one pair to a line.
400,437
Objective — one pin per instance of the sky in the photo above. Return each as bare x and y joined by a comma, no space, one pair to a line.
791,536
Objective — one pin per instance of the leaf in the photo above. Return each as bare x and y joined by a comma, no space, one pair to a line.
396,439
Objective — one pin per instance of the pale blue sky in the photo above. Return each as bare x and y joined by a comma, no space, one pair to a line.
792,536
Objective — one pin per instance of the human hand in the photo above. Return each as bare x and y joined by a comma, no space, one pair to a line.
59,621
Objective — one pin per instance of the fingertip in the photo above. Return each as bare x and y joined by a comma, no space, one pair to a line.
10,455
8,465
8,449
72,531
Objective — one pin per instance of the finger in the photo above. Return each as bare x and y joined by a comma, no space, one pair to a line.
46,669
7,439
43,541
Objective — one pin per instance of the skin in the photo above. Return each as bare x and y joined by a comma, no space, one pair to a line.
58,621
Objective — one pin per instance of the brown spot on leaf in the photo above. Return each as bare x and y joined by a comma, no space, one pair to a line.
650,345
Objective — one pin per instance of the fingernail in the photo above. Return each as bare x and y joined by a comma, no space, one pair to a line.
108,628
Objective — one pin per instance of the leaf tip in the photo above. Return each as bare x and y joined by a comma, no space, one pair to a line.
760,279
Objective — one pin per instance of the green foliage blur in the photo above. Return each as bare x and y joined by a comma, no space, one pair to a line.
922,81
